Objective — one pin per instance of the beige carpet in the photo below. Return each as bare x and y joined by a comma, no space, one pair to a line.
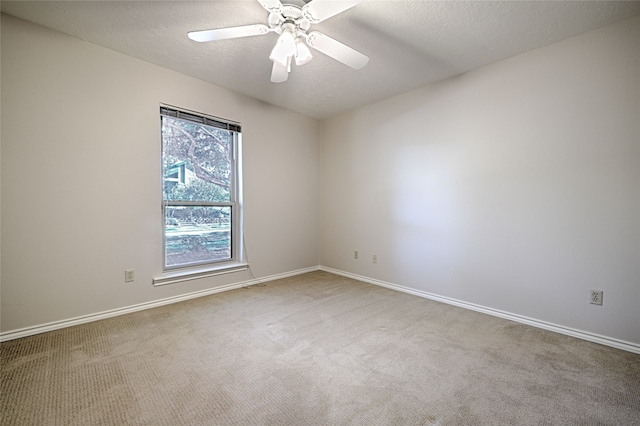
315,349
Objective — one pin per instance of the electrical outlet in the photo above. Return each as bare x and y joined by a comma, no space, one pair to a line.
374,258
596,297
129,275
355,254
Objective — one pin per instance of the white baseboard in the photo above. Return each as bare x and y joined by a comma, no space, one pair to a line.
591,337
56,325
604,340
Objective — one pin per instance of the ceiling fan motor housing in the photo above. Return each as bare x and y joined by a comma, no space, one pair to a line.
288,13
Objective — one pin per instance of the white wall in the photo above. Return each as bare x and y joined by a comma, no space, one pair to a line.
515,187
81,183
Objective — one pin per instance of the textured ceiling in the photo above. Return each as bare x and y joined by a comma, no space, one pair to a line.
410,43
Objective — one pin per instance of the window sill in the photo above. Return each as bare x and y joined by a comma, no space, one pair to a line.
193,274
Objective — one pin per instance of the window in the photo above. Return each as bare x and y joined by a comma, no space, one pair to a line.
200,190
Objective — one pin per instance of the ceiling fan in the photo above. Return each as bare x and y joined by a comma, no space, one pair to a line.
292,23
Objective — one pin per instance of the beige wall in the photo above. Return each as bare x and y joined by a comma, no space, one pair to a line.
514,187
81,183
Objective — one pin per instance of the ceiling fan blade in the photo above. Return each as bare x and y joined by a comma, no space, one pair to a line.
338,51
319,10
279,73
270,5
231,32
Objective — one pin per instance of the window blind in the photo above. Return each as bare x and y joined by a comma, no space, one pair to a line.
200,119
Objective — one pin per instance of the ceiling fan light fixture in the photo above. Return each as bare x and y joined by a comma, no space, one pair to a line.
279,56
285,47
303,54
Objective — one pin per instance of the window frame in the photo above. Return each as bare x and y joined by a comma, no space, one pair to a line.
176,273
